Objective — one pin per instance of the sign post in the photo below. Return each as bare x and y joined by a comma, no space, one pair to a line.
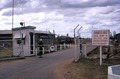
100,55
100,38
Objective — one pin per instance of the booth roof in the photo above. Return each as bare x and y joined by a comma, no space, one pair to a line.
36,31
26,27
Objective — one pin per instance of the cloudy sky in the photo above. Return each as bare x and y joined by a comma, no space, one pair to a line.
62,15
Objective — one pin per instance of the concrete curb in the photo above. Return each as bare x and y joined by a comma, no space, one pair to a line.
11,58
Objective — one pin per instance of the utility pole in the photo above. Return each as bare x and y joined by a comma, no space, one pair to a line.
12,22
12,14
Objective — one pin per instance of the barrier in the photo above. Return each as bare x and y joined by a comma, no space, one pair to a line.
114,72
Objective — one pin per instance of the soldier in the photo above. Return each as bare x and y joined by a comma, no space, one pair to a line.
40,42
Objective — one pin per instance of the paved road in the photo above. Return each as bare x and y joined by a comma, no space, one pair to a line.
34,67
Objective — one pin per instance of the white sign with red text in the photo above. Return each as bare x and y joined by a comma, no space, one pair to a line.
100,37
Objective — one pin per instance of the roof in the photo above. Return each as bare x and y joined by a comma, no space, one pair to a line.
42,32
26,27
36,31
5,31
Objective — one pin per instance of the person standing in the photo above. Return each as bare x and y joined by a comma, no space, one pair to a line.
40,42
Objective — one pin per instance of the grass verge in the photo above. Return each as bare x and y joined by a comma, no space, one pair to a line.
89,69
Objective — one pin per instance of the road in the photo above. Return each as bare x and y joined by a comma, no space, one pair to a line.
34,67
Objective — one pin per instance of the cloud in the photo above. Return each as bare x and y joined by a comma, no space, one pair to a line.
29,6
63,15
88,3
9,3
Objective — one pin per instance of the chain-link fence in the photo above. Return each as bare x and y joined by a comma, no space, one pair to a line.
5,51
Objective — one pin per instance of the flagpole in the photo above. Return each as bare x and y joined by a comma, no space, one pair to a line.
12,23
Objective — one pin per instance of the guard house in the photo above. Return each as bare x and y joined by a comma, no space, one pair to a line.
24,41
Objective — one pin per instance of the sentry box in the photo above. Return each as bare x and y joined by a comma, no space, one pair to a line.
24,41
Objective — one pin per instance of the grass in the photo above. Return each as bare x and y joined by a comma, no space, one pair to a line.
89,69
5,52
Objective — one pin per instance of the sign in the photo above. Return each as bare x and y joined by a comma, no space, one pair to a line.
100,37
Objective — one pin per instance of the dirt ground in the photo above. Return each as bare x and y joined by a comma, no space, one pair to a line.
61,71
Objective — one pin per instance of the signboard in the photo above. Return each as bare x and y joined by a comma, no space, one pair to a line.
100,37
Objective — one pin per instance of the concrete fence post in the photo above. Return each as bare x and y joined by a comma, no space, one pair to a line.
36,51
49,49
43,50
70,45
64,46
55,47
60,47
85,50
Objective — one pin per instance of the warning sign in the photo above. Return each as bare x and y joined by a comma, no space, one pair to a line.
100,37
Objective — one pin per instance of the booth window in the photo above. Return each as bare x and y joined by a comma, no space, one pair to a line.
20,37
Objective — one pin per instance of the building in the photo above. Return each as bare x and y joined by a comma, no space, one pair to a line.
6,37
117,37
25,39
65,39
48,37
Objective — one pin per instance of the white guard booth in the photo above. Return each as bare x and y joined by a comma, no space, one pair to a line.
24,41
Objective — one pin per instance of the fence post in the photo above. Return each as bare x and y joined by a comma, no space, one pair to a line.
36,51
85,50
55,47
43,50
60,47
